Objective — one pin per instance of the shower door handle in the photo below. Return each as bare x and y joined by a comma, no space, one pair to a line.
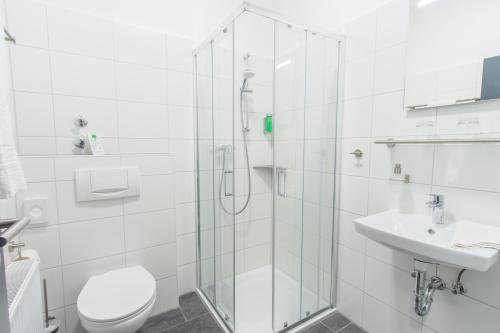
227,192
282,179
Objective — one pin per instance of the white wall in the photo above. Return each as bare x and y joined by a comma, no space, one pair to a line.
135,86
375,287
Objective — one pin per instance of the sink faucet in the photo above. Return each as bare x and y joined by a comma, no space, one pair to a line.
437,205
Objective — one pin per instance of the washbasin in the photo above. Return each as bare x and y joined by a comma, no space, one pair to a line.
417,236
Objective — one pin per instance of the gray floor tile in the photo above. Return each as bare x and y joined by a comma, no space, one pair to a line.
335,322
162,322
201,324
352,328
318,328
191,305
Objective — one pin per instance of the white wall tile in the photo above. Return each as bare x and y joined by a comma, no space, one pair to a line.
380,318
34,114
70,31
184,186
46,242
361,36
140,120
37,146
181,122
38,169
390,67
350,301
144,146
467,166
186,278
101,115
21,11
392,23
185,218
460,315
354,194
55,295
357,118
390,285
351,266
179,54
160,261
150,164
140,46
180,88
141,84
91,239
77,75
30,69
348,236
186,249
65,166
359,77
166,291
157,192
149,229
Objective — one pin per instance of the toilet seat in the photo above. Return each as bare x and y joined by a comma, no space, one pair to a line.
117,296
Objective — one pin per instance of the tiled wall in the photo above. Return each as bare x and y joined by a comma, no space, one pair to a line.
375,287
135,87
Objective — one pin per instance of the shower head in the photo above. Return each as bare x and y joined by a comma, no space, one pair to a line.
248,74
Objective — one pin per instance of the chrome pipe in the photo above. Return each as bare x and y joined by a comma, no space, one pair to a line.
14,227
393,142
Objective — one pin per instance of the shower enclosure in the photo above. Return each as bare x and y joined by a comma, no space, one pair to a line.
266,94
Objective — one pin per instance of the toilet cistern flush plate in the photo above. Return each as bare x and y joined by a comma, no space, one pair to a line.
418,236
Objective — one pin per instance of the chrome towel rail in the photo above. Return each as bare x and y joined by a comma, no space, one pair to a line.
13,228
393,142
8,37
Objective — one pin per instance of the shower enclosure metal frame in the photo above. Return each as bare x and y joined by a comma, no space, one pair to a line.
247,7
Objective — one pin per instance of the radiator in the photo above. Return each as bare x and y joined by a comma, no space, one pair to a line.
25,296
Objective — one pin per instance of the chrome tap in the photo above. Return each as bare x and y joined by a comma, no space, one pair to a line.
437,205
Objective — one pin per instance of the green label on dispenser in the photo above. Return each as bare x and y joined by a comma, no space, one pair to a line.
268,123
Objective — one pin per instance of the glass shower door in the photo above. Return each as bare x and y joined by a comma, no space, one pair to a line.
289,83
215,142
306,76
224,203
319,172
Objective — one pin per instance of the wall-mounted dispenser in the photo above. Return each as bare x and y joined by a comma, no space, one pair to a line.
102,184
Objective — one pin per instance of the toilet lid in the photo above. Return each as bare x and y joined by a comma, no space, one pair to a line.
117,294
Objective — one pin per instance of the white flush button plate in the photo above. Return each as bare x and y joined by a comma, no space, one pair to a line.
37,210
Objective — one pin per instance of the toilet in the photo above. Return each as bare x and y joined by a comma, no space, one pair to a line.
119,301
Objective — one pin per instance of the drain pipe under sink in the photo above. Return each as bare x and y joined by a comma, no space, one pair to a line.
424,291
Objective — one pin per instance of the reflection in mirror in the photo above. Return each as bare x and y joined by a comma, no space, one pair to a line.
453,52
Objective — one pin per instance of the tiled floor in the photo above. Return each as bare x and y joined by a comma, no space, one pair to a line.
191,317
334,323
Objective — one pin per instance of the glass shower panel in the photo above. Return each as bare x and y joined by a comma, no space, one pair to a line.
319,172
224,173
205,167
290,72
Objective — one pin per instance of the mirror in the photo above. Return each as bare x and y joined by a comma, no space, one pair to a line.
453,52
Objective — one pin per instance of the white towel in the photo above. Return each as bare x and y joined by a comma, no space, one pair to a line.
475,235
11,175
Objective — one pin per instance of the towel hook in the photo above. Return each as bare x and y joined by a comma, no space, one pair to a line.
8,37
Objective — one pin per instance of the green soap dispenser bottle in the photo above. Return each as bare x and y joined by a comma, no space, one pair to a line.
268,123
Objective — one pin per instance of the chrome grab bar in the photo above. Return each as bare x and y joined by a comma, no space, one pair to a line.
13,228
282,186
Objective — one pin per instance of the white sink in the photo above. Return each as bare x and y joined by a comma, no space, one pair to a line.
419,237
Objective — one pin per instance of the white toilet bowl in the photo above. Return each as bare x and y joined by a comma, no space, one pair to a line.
118,301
